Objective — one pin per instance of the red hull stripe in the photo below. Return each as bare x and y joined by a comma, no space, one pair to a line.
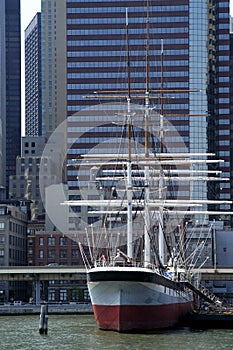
131,318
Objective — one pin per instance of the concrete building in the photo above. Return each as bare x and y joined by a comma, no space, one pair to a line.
224,258
53,36
10,91
25,183
224,243
13,244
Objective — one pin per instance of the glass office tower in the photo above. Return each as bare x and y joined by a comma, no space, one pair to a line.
194,38
189,44
10,92
33,117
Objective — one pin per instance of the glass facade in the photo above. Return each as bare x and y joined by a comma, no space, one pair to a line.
194,38
222,95
10,92
33,113
101,40
96,56
199,16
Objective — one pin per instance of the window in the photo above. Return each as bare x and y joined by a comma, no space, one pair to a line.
2,239
2,253
63,240
63,294
51,241
41,240
51,254
74,253
63,253
63,282
41,254
2,225
86,295
51,295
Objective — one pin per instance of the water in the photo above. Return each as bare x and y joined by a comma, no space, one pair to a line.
80,332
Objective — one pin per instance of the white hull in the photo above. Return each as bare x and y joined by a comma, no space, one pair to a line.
139,304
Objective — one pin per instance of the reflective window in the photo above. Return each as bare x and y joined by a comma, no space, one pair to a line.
51,240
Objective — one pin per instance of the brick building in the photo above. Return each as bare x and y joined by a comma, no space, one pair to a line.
53,249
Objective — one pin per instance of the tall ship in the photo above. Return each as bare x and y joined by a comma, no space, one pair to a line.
140,275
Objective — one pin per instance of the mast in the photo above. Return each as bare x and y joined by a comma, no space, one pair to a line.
147,257
129,166
161,182
161,102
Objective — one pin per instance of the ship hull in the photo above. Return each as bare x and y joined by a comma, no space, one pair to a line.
134,299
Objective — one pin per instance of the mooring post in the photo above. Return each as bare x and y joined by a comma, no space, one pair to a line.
43,325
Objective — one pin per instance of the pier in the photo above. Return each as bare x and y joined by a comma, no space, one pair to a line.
47,273
53,309
210,319
42,273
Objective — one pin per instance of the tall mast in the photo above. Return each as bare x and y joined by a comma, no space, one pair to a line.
129,166
147,84
128,56
161,181
161,102
147,258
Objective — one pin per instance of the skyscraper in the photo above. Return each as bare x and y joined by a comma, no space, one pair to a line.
195,40
33,112
53,36
10,92
190,37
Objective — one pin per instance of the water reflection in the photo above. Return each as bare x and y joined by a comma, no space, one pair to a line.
80,332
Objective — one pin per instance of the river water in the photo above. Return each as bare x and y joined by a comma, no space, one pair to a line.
80,332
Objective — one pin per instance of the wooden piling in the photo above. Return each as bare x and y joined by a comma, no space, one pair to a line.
43,325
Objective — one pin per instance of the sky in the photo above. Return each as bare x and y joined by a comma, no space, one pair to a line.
28,10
